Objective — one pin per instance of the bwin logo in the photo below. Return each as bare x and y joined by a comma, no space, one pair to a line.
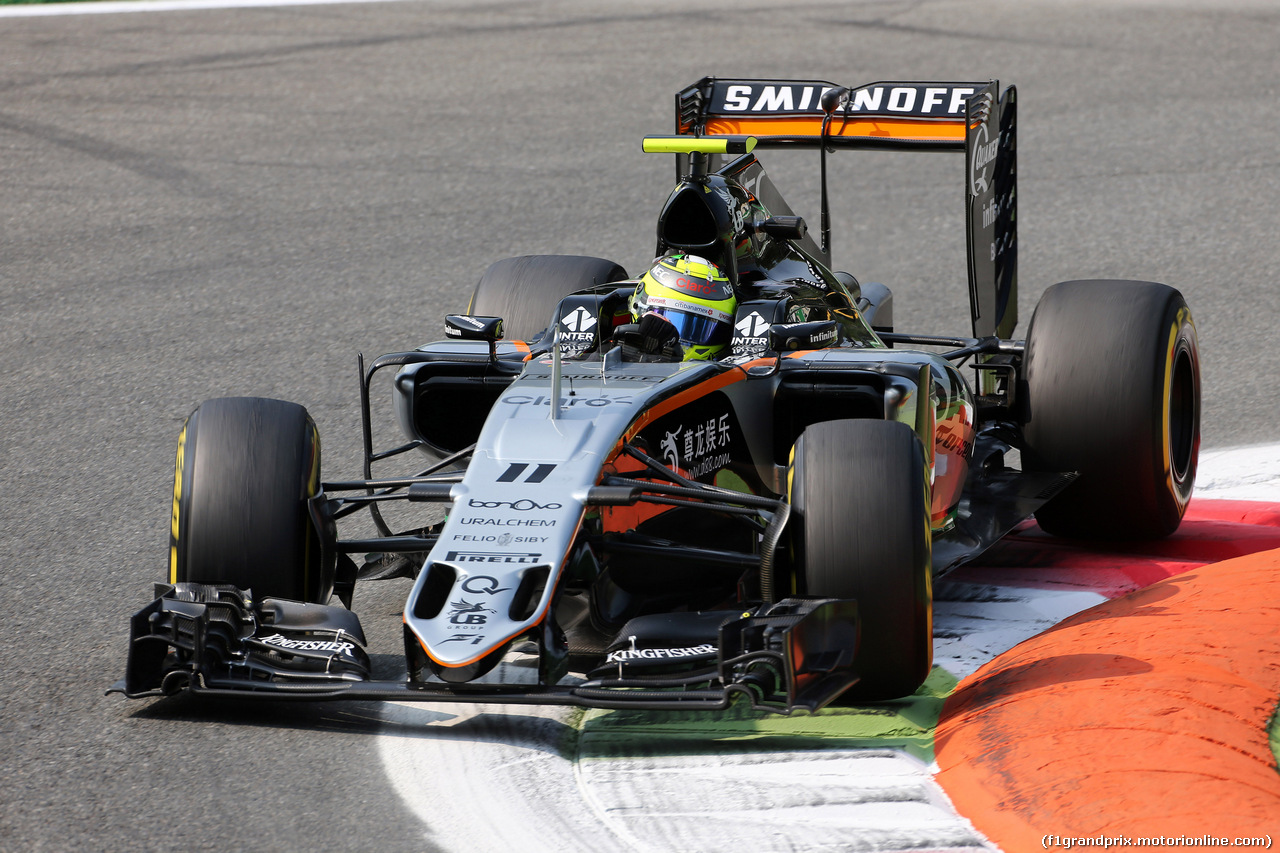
752,326
579,320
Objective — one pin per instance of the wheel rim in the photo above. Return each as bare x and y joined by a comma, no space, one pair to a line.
1182,416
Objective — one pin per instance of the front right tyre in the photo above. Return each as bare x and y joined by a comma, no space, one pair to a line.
860,493
246,468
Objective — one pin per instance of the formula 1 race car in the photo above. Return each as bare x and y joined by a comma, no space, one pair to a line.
729,477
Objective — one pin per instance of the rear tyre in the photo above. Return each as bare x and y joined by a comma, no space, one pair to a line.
1113,392
525,291
245,469
860,489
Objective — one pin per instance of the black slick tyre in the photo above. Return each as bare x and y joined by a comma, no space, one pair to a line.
245,469
1113,393
525,291
860,493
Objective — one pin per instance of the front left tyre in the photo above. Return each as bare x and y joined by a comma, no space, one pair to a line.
246,468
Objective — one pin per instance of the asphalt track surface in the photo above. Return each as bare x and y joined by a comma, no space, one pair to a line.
213,202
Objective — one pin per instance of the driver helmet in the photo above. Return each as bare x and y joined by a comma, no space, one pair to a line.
693,295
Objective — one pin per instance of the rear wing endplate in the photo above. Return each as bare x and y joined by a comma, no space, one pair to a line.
975,118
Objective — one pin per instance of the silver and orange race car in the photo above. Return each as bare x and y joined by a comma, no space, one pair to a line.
599,521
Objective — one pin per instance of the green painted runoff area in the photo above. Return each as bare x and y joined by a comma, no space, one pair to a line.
1273,733
906,724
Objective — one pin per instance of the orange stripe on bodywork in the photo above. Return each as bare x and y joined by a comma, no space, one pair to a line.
920,130
488,649
628,517
678,400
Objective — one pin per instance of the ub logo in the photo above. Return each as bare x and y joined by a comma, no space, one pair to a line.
469,613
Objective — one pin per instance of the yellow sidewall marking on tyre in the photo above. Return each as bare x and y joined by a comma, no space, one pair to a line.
1166,426
177,500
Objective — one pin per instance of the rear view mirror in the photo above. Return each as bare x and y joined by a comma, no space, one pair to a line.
784,227
470,328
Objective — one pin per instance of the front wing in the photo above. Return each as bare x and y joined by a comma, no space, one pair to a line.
217,640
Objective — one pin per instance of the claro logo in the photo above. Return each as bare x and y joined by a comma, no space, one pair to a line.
693,285
565,402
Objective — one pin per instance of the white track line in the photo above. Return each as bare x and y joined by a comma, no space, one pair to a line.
112,7
811,800
491,778
1240,473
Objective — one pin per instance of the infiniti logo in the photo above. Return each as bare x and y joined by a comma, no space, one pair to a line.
523,505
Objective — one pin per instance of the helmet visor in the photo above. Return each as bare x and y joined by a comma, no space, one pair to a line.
696,329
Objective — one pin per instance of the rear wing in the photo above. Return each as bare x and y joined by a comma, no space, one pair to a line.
975,118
